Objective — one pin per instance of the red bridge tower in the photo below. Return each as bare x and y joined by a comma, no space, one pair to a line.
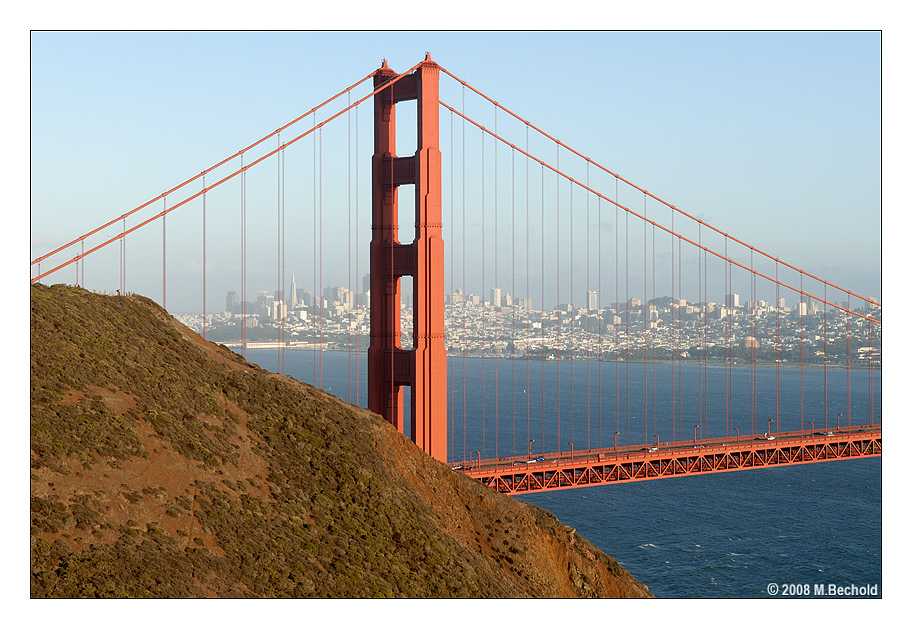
390,367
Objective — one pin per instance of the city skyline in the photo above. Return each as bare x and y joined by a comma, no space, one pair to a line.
304,297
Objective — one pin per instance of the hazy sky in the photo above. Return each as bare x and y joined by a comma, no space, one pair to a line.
773,137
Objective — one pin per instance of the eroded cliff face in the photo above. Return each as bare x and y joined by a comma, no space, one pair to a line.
166,466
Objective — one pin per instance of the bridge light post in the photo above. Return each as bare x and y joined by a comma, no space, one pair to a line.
616,440
737,434
656,437
570,443
695,432
531,441
812,427
838,415
768,422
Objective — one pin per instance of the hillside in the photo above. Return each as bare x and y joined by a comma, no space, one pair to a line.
166,466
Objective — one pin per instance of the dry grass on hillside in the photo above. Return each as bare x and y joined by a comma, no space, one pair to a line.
166,466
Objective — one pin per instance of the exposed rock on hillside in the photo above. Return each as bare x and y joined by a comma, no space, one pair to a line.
166,466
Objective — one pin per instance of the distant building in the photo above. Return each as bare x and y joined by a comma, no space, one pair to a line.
496,299
232,303
750,343
591,301
733,300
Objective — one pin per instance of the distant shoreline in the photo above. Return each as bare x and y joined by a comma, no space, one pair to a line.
715,363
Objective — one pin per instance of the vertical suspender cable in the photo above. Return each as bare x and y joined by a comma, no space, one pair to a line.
451,441
627,319
351,281
483,309
320,141
754,347
616,318
598,303
513,286
672,310
496,307
542,181
318,294
243,258
825,360
164,257
704,421
729,303
357,262
571,313
277,304
588,331
528,310
120,268
284,296
655,305
778,308
204,258
465,301
871,367
645,334
848,410
702,310
801,308
557,283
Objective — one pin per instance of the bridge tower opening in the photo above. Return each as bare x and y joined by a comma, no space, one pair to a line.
423,368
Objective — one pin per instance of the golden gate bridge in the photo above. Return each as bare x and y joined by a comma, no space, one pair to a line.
520,209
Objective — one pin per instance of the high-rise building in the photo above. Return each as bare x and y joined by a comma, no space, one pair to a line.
305,297
591,301
334,294
733,300
293,293
232,302
496,298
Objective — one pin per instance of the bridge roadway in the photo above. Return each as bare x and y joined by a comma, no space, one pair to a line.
586,468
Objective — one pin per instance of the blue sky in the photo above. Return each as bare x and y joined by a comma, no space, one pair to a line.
773,137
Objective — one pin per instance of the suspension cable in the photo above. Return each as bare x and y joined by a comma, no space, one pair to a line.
203,173
662,227
632,185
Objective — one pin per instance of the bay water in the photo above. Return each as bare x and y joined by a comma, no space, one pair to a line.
798,531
